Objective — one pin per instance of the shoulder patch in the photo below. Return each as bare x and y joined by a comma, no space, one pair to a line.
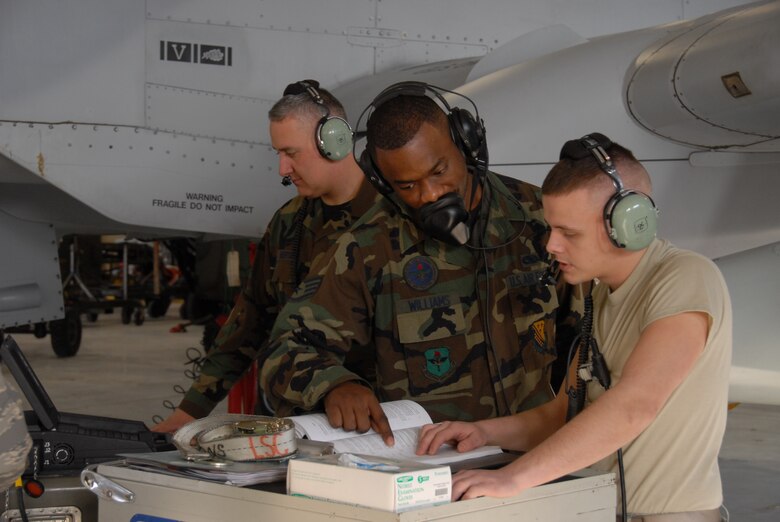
538,332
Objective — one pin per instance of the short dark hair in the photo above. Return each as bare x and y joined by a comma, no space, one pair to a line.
571,174
396,121
304,105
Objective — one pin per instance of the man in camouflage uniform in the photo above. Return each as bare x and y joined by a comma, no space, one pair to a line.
15,442
467,331
331,195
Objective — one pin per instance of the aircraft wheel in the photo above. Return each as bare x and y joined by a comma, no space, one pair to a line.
139,316
39,330
92,317
66,334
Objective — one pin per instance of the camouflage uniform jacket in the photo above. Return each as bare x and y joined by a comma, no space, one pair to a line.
15,442
299,232
419,305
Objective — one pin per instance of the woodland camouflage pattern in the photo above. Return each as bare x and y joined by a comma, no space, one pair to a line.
280,263
413,305
15,442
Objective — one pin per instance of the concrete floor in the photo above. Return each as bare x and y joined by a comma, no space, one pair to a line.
128,371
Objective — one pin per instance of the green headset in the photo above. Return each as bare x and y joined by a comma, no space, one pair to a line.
333,134
630,216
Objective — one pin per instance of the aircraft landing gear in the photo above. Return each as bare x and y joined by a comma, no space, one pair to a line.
66,334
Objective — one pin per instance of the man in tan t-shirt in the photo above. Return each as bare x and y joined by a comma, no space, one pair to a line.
662,321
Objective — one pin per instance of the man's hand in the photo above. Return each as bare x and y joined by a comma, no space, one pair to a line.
475,483
175,420
354,407
465,436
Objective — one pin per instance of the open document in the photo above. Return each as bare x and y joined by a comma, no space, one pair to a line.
406,418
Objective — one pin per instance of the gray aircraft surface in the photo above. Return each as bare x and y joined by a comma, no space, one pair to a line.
148,118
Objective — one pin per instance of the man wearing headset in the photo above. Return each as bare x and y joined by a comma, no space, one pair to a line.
440,282
663,327
314,142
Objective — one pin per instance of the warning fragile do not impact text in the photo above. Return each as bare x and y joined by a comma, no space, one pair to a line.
203,202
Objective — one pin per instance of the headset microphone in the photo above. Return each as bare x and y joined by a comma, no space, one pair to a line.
286,181
445,219
548,277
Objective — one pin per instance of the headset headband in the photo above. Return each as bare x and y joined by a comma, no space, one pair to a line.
596,145
309,87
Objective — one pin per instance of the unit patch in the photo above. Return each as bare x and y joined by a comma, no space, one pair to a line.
539,337
420,273
438,363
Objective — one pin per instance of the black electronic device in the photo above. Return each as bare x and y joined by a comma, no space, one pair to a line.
67,442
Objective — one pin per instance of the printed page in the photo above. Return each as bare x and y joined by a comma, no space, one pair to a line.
405,445
401,414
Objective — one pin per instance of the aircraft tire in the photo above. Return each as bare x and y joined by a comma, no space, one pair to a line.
66,334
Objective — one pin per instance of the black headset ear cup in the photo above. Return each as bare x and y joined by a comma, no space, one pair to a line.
373,175
467,133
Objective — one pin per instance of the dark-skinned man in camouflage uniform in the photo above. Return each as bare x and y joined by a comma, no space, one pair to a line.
331,195
468,331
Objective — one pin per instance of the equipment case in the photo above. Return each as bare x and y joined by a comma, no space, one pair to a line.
587,497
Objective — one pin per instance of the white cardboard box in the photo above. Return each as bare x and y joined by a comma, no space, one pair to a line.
361,480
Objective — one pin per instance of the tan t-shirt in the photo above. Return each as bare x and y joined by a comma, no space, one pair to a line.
672,466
